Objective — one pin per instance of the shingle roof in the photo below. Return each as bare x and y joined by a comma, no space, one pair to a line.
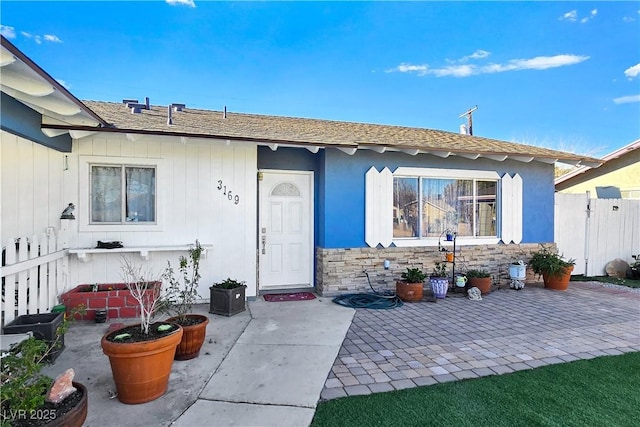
313,133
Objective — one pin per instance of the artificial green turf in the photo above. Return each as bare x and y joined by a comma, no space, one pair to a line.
604,391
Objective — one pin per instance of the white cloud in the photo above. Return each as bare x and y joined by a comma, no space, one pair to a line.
52,38
569,16
632,72
8,32
627,99
572,16
478,54
189,3
465,70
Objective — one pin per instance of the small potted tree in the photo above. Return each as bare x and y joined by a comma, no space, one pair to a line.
141,355
180,295
30,398
439,280
410,288
227,297
480,279
554,269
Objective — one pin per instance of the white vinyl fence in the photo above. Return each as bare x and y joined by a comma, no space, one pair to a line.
34,272
596,231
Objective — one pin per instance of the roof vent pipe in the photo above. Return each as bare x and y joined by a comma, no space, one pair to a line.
224,115
463,129
169,116
146,102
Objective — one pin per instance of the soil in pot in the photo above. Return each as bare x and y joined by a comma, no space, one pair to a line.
71,412
194,332
141,368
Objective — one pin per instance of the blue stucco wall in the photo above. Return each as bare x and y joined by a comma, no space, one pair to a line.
340,188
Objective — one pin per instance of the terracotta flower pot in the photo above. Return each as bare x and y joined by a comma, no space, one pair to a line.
482,283
76,416
192,337
409,292
141,369
558,282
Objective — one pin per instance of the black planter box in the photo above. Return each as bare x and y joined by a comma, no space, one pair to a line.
227,302
43,326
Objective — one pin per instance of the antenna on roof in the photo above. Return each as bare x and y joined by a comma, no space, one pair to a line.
469,128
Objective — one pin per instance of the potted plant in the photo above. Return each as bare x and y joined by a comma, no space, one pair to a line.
181,293
141,355
30,398
480,279
439,281
517,274
227,297
554,269
410,288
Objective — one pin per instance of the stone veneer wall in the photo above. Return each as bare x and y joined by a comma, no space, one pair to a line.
340,271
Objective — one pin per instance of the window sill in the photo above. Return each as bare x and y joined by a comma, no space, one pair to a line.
460,241
84,254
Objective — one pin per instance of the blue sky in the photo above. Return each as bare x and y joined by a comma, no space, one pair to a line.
563,75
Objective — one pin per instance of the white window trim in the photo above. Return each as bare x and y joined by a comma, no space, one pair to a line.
412,172
84,187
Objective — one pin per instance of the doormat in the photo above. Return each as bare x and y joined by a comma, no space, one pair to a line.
296,296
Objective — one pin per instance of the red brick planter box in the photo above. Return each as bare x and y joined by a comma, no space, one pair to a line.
114,297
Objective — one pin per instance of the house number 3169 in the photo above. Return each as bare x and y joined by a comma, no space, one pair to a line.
230,196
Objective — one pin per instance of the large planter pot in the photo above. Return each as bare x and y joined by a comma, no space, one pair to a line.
517,271
558,282
141,369
192,337
409,292
227,302
439,286
482,283
43,326
76,416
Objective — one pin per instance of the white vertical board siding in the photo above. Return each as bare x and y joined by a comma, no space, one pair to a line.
31,180
516,207
378,207
189,207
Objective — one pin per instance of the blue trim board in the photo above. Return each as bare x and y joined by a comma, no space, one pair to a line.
18,119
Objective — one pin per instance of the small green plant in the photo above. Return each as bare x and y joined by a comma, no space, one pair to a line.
413,275
480,274
180,295
229,284
440,270
22,387
545,261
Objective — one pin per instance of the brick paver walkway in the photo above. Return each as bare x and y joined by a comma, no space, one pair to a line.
426,343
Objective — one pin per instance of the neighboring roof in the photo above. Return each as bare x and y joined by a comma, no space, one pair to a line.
621,152
24,80
313,134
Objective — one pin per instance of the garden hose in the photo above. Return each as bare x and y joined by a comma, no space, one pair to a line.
377,300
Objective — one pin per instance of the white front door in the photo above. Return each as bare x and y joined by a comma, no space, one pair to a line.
285,233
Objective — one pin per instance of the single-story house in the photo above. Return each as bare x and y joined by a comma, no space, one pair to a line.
280,202
620,170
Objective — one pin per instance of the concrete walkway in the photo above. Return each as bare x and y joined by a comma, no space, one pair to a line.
262,367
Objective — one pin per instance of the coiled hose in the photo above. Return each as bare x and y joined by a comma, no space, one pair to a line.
377,300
